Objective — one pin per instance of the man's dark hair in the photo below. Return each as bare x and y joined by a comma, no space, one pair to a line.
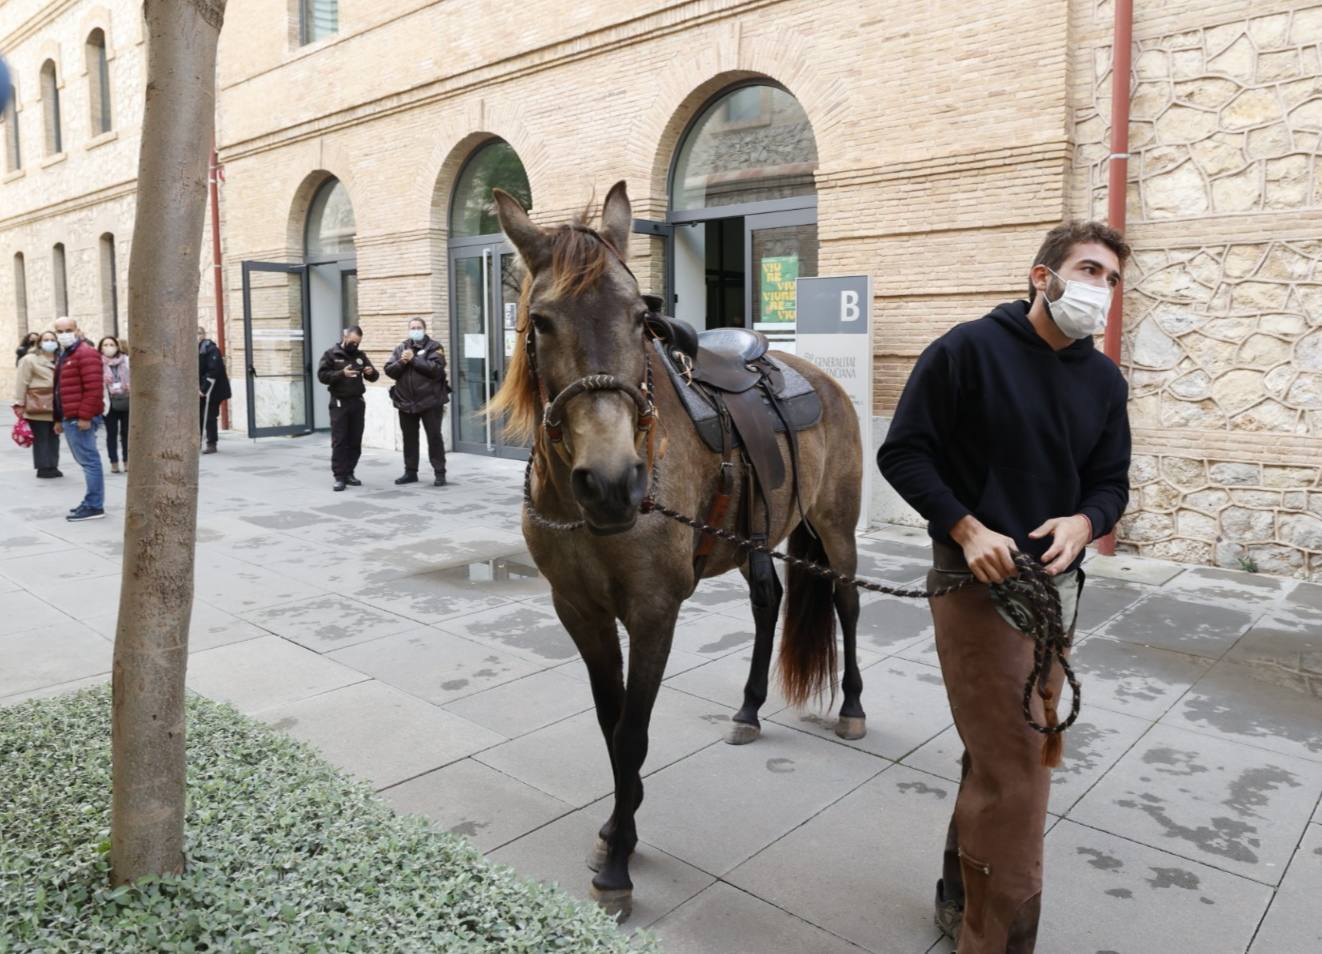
1060,241
419,321
353,330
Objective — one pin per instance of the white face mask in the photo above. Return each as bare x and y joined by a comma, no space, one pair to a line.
1081,311
48,346
66,339
110,351
417,334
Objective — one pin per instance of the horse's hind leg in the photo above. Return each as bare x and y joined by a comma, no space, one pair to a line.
765,592
842,549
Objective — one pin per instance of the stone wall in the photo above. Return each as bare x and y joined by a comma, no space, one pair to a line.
1223,304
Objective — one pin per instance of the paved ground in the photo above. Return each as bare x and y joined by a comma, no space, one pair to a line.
405,635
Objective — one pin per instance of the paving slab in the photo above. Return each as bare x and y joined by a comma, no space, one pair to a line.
555,854
1231,587
1093,745
1133,569
427,598
1220,803
723,918
1103,597
379,733
24,542
1137,680
712,635
433,665
905,703
208,627
262,673
523,628
470,799
237,586
24,611
327,622
1292,922
1105,893
1181,624
865,866
889,624
526,704
56,652
52,573
725,803
568,758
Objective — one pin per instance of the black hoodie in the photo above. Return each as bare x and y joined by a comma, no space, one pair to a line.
996,423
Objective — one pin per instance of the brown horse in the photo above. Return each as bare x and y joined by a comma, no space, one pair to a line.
583,352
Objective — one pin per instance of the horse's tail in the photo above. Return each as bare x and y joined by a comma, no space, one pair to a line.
807,650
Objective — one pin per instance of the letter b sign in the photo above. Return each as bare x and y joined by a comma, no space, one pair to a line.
849,310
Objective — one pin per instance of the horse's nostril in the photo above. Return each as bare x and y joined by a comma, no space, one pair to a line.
587,487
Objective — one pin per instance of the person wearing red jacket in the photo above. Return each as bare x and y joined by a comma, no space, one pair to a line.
79,406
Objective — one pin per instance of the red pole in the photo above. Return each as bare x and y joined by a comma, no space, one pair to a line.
217,270
1117,184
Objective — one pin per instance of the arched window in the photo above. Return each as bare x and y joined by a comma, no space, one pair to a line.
50,107
109,286
13,143
493,166
743,204
60,281
20,291
330,228
98,82
752,144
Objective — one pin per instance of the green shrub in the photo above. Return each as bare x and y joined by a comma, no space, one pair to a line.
284,855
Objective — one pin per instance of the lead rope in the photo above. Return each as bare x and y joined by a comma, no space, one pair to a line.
1040,620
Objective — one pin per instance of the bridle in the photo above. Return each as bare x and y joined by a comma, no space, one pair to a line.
553,406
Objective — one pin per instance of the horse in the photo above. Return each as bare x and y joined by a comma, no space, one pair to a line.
603,450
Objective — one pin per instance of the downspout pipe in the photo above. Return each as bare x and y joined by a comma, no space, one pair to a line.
217,269
1117,185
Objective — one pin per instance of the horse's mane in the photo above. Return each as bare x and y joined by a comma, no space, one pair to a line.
579,258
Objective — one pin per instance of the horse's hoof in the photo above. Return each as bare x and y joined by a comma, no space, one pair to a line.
741,733
617,902
597,856
852,728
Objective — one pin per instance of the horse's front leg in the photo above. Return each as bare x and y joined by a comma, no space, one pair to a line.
650,635
765,592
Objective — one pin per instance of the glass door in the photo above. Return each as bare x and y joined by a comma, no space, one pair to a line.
484,311
276,323
779,248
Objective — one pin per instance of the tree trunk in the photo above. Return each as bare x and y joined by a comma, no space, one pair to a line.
160,522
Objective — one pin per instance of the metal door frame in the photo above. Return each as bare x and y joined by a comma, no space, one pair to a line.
250,375
757,223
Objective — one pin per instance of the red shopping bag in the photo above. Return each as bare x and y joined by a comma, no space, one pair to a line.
22,433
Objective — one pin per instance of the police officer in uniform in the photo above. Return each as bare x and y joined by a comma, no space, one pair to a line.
343,370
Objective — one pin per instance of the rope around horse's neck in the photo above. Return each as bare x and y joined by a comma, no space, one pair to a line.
1042,623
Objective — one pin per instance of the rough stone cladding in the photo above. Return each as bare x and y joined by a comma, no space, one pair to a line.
1223,308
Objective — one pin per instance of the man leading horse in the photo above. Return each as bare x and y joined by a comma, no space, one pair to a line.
1011,435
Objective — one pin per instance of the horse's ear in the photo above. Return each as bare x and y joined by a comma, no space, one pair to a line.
534,245
617,218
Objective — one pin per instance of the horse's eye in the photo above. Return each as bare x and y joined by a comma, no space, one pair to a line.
541,323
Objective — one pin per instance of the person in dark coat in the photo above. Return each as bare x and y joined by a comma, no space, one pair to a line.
26,344
420,394
213,387
343,370
79,406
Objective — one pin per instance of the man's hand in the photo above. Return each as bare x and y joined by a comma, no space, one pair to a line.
1069,536
84,425
350,372
990,555
406,356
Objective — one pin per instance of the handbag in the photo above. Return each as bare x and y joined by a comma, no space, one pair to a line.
22,433
119,402
39,401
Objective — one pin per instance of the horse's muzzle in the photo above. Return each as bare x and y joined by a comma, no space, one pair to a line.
609,501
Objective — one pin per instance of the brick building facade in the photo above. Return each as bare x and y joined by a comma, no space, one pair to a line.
943,143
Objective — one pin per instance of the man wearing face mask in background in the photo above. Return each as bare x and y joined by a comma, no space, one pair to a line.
420,394
1012,434
213,387
79,403
343,369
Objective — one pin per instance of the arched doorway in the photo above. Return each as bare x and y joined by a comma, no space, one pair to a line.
484,293
294,310
742,219
328,251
